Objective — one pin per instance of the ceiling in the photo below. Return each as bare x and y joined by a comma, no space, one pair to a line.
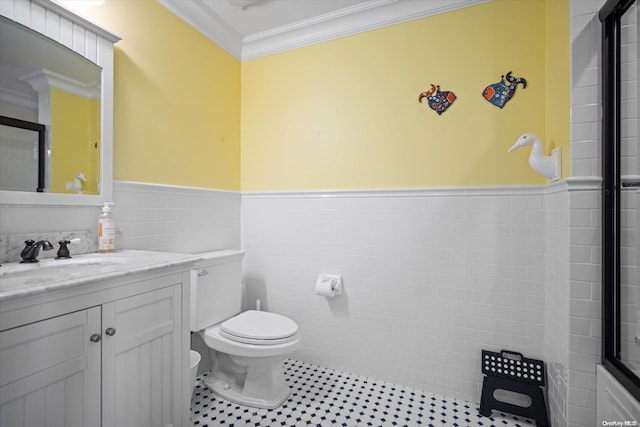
252,28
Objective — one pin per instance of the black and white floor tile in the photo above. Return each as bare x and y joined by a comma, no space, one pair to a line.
327,397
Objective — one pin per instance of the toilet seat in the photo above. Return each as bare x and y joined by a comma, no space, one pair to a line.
259,328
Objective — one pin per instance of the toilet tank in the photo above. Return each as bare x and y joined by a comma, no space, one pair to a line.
216,288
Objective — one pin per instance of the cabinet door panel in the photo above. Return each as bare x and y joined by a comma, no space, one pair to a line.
50,372
142,359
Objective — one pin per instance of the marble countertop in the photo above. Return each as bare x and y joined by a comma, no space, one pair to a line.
20,280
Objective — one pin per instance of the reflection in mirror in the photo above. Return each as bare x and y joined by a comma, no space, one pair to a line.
44,82
22,155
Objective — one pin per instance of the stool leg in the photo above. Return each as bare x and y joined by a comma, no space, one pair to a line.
486,399
542,418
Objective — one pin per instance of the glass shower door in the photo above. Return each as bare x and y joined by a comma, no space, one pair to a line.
621,193
629,170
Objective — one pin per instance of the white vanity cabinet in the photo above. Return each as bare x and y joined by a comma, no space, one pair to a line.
50,372
111,353
141,362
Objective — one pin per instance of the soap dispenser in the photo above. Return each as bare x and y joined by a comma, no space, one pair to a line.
106,230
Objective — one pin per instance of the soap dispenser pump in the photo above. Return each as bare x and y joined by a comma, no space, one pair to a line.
106,230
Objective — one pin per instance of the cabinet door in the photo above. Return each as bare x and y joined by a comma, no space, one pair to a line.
50,372
142,360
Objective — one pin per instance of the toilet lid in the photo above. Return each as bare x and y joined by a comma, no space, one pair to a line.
259,327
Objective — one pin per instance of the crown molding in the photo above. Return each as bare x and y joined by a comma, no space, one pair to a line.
18,98
44,79
197,14
344,22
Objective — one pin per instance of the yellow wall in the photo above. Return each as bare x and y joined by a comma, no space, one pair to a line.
557,105
75,131
176,100
344,114
340,114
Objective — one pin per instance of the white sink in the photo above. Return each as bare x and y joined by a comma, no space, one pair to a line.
49,263
19,280
54,270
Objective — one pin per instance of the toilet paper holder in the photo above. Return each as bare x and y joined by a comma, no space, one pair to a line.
329,285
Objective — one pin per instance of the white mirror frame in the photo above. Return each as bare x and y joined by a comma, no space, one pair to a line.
92,42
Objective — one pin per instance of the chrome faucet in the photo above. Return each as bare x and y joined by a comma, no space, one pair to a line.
32,249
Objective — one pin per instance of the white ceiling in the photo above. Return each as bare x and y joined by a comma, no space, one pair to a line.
263,15
252,28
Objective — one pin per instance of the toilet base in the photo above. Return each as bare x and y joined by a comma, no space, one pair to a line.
250,381
233,394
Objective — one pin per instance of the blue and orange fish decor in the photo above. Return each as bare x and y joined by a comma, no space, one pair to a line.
500,93
438,100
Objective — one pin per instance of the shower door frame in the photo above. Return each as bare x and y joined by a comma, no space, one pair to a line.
610,16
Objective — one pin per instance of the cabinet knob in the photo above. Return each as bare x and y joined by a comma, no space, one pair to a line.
110,331
202,272
95,338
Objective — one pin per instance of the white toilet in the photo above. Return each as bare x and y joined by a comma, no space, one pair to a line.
247,349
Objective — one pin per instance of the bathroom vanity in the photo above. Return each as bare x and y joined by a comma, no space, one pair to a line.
97,340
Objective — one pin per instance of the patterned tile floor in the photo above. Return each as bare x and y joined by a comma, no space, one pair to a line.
327,397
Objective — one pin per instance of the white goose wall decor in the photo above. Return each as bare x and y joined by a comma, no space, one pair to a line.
548,166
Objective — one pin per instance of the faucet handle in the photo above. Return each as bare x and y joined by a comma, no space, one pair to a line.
28,245
63,251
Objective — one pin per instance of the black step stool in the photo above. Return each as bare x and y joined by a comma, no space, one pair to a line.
511,371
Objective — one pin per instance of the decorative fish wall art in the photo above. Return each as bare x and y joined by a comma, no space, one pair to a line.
438,100
500,93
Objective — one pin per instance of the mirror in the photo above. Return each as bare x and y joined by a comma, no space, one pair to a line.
44,82
56,70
